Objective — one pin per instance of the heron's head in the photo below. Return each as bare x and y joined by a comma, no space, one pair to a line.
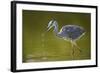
51,24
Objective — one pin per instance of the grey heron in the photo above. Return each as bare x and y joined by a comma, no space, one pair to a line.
68,32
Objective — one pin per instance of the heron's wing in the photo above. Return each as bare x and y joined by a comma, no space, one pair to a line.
63,32
71,31
74,31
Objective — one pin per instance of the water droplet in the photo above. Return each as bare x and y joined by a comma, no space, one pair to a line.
30,60
42,40
44,58
42,34
43,45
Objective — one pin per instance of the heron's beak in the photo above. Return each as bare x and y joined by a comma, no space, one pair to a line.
48,28
50,25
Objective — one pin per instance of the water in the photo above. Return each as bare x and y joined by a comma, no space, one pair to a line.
44,46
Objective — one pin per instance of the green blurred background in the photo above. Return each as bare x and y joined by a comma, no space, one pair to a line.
39,45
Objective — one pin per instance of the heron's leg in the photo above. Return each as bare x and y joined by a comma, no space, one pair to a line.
77,46
72,48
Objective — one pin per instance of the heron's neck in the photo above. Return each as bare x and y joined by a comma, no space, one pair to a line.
56,29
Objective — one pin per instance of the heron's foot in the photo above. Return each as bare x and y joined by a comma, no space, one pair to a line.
73,53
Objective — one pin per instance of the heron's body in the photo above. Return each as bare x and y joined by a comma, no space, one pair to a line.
71,32
67,32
